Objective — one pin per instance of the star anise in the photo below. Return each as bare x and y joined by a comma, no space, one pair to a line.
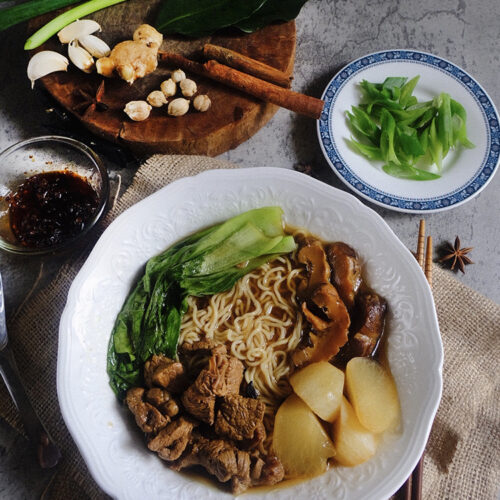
89,101
456,255
304,169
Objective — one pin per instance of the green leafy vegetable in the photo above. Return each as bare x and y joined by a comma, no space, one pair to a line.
59,22
27,10
202,17
390,125
269,12
208,262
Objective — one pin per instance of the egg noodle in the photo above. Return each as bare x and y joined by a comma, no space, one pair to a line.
260,322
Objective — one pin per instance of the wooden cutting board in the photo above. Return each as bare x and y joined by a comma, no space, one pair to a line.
233,118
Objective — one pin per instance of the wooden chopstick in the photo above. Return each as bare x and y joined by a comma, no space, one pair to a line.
412,488
420,243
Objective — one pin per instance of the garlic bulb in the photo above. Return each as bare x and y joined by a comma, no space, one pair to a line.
80,57
78,29
94,46
45,62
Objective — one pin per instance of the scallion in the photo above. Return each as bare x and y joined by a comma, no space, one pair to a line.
59,22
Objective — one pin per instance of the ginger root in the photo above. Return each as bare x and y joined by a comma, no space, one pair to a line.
135,58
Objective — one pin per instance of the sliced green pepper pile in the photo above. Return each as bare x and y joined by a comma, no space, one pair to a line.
392,126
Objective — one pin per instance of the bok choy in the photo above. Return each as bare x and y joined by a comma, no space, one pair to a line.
208,262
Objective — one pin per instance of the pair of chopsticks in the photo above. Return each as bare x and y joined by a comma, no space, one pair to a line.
412,488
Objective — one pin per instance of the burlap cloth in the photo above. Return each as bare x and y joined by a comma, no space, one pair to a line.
462,459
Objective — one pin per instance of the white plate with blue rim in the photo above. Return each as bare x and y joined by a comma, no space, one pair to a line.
465,173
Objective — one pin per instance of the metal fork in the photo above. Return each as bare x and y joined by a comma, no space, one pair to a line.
47,452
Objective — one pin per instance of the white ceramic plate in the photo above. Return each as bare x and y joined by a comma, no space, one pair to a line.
108,440
465,173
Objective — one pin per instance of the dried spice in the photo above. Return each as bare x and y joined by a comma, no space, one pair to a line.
456,255
89,101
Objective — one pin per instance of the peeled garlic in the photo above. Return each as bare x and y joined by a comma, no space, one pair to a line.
45,62
94,46
138,110
178,75
202,103
178,107
80,57
157,98
168,87
78,29
188,87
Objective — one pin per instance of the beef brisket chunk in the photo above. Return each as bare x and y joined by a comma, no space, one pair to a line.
164,372
222,376
163,400
199,405
171,441
221,459
147,417
238,417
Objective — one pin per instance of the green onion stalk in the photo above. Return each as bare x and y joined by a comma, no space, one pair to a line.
59,22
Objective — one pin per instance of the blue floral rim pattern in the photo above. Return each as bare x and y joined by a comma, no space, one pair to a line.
482,176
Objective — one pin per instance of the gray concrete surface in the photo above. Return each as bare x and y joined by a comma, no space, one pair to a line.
330,34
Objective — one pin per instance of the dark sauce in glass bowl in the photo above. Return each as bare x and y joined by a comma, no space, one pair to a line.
50,208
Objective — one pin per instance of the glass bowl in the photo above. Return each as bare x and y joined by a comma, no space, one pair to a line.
48,153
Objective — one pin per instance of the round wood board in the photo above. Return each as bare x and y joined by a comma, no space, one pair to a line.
233,117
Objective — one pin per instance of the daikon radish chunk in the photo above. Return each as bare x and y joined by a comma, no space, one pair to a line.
373,394
299,440
320,386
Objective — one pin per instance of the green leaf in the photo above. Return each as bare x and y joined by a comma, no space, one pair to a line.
269,12
201,17
406,171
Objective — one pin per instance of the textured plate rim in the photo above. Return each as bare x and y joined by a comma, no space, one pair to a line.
76,428
469,190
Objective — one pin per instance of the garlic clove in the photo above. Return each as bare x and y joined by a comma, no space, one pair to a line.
80,57
78,29
94,46
45,62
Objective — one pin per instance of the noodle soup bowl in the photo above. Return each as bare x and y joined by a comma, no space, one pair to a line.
104,431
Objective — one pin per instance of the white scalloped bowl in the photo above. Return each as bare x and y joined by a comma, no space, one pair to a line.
114,451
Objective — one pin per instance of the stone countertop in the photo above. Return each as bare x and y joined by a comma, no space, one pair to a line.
329,35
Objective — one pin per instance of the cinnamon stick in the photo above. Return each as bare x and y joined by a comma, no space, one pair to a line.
247,65
299,103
